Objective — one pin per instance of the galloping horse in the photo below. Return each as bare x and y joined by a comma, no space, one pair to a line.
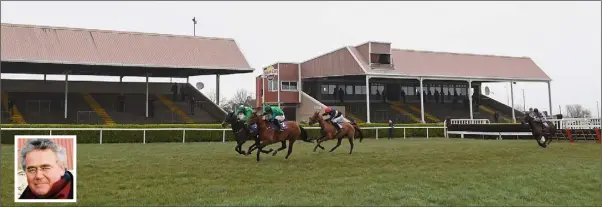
329,132
240,132
267,135
542,135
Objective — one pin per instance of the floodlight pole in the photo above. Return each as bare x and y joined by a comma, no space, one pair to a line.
194,26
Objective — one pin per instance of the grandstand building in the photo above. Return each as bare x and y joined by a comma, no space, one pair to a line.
373,82
32,49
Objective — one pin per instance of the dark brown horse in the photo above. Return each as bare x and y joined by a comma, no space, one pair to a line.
267,135
543,135
329,132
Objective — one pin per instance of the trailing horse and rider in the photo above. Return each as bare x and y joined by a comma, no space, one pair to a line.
541,129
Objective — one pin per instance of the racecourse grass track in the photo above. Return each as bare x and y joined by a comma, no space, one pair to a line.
379,172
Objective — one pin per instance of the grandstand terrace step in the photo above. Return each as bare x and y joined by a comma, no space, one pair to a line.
98,109
354,117
428,116
491,112
174,108
398,108
17,117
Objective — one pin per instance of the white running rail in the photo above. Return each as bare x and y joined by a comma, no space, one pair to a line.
200,129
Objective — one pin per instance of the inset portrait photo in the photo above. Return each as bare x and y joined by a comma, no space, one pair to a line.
45,168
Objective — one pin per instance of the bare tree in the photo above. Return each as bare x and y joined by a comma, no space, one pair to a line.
242,96
223,102
577,111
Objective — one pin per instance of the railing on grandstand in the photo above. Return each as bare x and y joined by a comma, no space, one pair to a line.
37,107
100,130
469,121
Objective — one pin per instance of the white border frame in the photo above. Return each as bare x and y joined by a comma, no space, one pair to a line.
73,171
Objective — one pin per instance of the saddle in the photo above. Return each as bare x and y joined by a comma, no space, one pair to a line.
283,125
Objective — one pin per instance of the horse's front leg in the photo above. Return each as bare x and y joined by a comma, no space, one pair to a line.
318,141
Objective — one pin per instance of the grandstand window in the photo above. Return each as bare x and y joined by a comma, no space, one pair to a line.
324,89
360,89
349,89
272,85
289,86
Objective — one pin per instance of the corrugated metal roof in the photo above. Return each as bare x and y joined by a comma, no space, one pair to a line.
444,64
44,44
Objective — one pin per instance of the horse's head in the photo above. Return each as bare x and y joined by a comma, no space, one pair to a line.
527,119
314,118
229,119
254,118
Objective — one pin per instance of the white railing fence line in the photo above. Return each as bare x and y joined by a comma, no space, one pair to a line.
224,130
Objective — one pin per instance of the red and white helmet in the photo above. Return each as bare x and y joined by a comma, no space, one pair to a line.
327,110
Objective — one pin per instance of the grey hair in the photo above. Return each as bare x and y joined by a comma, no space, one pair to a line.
42,144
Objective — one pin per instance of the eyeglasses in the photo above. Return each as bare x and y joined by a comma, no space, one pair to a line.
44,169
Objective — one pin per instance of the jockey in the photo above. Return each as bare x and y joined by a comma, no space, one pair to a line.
336,117
539,117
243,112
276,116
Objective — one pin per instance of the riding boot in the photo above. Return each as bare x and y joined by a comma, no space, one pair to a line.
278,126
336,126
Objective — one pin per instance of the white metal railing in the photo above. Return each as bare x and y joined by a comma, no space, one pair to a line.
469,121
576,123
199,129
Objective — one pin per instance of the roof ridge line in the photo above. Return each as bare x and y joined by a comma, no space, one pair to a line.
458,53
112,31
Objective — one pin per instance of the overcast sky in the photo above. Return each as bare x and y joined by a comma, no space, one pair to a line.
563,38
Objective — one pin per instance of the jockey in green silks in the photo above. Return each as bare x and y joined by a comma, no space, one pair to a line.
276,115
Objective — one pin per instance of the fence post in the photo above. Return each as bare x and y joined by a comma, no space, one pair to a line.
376,133
598,136
183,135
143,136
101,136
404,133
427,132
568,133
50,132
224,136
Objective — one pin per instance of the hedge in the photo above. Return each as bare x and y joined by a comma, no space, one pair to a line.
7,137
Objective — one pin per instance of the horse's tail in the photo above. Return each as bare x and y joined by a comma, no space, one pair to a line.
304,135
358,131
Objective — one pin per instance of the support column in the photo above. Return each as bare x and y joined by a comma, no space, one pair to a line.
262,90
421,101
550,97
512,101
146,96
469,97
66,91
367,99
217,89
279,84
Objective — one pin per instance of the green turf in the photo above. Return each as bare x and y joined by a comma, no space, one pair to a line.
380,172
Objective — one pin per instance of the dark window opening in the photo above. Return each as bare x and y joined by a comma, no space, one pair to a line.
380,58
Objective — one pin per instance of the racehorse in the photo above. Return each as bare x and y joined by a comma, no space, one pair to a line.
358,132
542,135
329,132
267,135
241,133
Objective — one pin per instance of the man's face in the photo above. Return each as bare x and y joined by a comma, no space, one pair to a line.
48,171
